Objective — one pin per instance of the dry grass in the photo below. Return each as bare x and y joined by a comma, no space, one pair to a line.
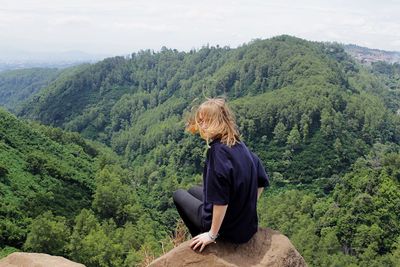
181,233
148,257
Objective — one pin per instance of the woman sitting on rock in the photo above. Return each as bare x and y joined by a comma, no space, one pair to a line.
233,179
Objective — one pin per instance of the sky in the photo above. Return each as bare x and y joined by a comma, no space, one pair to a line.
116,27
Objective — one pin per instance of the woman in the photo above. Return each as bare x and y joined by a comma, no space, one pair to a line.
233,179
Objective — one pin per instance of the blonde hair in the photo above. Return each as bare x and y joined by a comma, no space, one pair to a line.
220,121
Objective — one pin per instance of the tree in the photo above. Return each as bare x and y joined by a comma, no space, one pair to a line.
294,138
48,234
280,134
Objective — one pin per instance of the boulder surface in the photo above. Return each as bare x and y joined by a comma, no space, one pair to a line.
266,248
22,259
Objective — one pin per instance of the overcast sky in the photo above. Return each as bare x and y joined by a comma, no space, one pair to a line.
123,26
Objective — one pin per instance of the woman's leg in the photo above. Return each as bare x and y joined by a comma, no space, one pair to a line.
197,192
190,210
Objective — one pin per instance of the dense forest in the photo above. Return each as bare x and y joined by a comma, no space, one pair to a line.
64,195
18,85
326,127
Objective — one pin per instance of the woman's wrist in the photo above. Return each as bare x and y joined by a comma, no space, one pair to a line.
213,237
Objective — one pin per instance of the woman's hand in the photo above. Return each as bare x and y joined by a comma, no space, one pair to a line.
205,238
202,240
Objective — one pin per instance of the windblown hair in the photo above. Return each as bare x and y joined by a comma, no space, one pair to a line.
219,121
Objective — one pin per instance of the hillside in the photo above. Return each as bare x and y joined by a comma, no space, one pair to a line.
317,119
288,86
18,85
57,186
367,55
41,174
250,69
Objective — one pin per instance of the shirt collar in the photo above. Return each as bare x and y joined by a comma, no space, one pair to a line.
215,141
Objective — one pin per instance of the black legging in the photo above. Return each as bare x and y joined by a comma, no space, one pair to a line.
190,207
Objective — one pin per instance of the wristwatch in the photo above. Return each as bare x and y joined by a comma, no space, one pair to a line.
212,237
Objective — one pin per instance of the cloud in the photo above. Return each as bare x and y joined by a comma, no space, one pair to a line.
142,26
124,26
73,20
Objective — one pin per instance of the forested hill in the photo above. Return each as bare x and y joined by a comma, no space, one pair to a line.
59,192
292,97
41,169
252,69
18,85
322,124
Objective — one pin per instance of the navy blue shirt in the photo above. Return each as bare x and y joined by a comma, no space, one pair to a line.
231,177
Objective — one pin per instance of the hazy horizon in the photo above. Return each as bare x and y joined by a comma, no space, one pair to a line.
122,27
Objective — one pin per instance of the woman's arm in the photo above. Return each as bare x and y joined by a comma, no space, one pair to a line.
218,216
202,240
260,189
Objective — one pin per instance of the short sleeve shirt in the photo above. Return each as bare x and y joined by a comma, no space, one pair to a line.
231,177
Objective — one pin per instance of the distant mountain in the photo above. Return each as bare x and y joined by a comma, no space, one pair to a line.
15,59
368,55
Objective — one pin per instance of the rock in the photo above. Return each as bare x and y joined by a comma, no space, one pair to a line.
22,259
266,248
